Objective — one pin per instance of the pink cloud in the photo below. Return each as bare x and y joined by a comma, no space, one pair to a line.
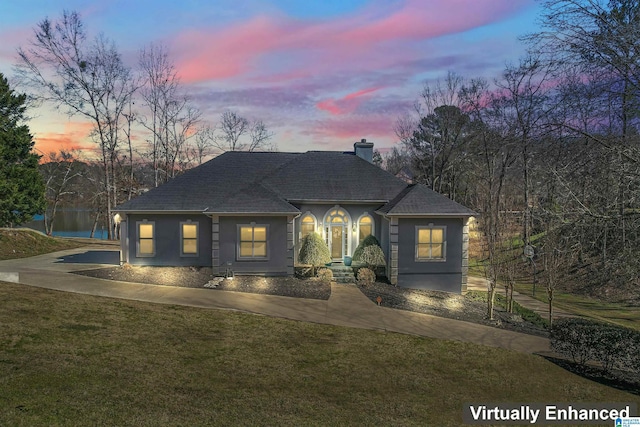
339,132
74,136
366,37
347,104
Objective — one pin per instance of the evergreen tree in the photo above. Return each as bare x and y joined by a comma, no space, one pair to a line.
314,251
21,186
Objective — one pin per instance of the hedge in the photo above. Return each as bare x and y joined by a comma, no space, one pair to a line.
585,340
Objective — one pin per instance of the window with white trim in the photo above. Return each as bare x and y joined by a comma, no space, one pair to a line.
307,225
365,227
189,238
431,243
146,242
252,241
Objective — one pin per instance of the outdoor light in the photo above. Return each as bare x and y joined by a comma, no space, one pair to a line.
228,274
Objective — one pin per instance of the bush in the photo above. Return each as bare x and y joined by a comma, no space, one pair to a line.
314,251
366,276
584,340
373,256
325,274
370,240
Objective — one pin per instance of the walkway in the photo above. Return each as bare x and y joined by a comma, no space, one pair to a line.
347,306
539,307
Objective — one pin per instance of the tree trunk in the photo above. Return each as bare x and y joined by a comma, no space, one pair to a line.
550,295
95,225
491,299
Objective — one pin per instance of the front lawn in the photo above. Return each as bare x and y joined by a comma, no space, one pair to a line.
23,243
622,314
70,359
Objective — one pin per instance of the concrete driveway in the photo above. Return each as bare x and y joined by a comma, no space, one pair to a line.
347,306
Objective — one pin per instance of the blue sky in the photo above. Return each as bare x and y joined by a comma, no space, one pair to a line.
320,74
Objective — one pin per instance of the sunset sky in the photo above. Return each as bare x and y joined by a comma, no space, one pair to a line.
320,74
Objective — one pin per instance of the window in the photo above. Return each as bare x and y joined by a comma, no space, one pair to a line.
252,241
365,226
307,225
189,238
146,246
430,243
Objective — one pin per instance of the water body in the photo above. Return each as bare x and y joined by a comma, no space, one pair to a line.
71,223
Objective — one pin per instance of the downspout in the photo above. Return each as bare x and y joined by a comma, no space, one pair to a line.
392,264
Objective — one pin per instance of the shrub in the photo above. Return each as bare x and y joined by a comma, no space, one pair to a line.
366,276
573,338
325,274
610,345
373,256
370,240
314,251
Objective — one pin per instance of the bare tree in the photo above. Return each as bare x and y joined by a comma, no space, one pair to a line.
158,92
233,127
259,136
238,134
494,149
59,172
202,145
88,78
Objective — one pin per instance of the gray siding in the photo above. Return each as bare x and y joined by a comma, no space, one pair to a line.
167,240
384,242
434,275
275,265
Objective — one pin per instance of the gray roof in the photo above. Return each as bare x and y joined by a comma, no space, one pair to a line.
416,199
333,176
214,184
268,183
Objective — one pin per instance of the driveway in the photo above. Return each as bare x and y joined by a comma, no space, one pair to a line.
347,306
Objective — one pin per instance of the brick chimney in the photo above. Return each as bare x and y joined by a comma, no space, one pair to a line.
364,150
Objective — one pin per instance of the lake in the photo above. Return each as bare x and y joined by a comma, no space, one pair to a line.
71,223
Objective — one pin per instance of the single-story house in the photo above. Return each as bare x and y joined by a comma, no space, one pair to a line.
249,211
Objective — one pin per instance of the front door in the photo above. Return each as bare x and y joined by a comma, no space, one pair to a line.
337,242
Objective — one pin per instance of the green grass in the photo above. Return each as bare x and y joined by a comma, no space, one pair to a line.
500,301
620,314
70,359
22,243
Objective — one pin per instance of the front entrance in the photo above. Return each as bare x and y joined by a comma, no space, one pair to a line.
337,242
337,226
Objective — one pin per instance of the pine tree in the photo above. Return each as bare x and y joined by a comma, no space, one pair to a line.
21,186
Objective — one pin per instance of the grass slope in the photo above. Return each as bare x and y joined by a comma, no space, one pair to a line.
69,359
23,243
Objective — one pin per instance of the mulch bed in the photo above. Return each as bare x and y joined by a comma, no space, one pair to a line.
453,306
197,277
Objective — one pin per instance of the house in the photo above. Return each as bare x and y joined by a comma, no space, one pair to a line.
249,211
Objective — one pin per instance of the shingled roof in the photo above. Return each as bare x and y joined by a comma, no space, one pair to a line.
416,199
268,183
333,176
214,185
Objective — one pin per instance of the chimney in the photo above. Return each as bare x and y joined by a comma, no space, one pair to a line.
364,150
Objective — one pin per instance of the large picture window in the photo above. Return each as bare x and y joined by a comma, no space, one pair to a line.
431,243
189,238
146,244
252,241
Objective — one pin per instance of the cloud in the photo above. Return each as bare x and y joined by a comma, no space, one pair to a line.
340,132
346,104
367,39
75,136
